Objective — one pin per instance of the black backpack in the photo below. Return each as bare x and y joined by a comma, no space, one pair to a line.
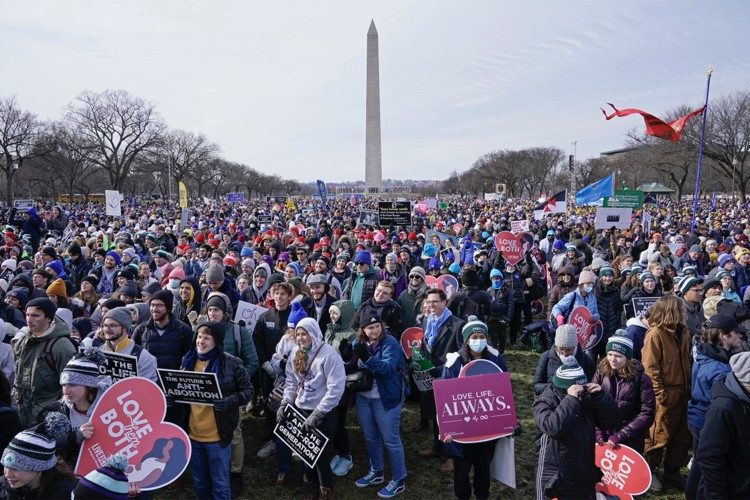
462,306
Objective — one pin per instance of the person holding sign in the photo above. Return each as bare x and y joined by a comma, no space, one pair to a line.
473,455
115,327
379,409
623,378
211,428
315,382
582,296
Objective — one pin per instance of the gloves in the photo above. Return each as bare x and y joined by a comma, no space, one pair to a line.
281,413
224,404
193,318
282,365
360,349
560,319
314,419
269,370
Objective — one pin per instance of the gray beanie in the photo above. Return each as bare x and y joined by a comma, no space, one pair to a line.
121,315
129,289
33,450
417,271
740,364
214,274
565,336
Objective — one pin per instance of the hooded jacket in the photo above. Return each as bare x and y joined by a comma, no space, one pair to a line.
609,306
666,359
322,384
181,310
252,293
711,362
341,332
37,384
723,454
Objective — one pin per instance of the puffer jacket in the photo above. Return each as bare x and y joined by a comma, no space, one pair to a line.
168,348
389,312
387,365
37,384
565,443
610,307
710,363
637,409
636,329
548,364
666,360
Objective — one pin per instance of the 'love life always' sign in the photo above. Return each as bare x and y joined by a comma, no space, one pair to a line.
190,387
128,419
480,405
308,444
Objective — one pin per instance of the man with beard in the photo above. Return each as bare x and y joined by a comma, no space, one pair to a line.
115,327
163,335
317,305
106,274
411,299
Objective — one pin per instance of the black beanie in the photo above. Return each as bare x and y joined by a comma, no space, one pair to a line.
165,296
217,332
47,306
469,277
216,301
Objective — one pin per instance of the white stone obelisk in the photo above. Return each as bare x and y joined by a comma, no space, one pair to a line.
373,162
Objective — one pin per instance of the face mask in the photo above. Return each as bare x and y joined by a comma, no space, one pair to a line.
477,345
497,284
174,283
588,288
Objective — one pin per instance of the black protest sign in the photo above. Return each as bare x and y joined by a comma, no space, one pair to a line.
368,217
308,444
394,213
116,365
642,304
190,387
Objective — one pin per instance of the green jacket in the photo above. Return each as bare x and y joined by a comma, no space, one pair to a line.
37,384
341,330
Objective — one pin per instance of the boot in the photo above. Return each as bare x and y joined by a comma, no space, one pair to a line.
235,483
326,493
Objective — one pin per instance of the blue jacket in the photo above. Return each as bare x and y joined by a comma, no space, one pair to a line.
710,362
564,306
387,364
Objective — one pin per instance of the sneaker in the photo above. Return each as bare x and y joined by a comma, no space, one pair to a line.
334,462
280,479
393,488
655,482
267,450
447,466
343,466
372,477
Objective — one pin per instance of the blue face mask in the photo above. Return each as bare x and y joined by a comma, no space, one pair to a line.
588,288
477,345
497,284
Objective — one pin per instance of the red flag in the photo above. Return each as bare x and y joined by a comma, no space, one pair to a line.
670,131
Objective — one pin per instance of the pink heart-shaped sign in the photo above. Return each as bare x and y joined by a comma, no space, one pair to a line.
128,419
433,282
513,246
586,331
626,472
448,283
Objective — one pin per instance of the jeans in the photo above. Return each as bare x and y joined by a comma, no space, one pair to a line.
340,436
209,466
381,427
322,475
283,456
238,449
694,476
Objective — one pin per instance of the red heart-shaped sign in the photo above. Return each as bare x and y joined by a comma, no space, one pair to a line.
513,246
128,419
433,282
448,283
586,331
626,472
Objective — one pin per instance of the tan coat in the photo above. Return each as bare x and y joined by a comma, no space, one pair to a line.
666,360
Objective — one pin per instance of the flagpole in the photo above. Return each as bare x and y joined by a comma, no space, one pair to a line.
700,151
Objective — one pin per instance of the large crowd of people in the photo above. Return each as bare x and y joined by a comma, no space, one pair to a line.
671,381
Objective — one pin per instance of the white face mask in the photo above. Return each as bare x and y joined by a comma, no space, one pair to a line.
477,345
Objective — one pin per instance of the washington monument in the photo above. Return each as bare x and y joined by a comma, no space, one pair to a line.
373,163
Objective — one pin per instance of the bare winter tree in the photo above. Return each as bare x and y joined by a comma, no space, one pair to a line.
115,129
20,131
186,152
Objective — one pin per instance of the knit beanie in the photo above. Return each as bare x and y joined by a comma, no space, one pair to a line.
687,283
109,481
163,254
565,336
454,268
469,277
418,271
33,450
21,294
586,276
83,369
645,276
129,289
214,274
216,301
363,256
47,306
56,266
740,364
112,303
496,272
558,245
91,279
620,342
433,264
121,315
165,296
296,315
115,256
83,326
569,373
57,288
151,288
606,270
473,326
217,330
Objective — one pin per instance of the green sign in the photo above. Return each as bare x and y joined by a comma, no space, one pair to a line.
625,198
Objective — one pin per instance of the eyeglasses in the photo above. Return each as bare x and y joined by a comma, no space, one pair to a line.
361,263
415,278
110,327
432,302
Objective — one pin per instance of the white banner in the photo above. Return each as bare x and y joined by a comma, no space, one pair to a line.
112,201
248,313
618,217
519,226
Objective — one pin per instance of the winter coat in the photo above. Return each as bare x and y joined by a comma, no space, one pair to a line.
411,305
549,362
387,365
502,306
637,331
245,351
37,383
635,399
711,362
481,298
636,292
565,444
609,306
269,329
666,360
57,488
234,383
308,304
448,339
559,291
723,454
693,318
342,333
390,313
9,426
168,348
573,300
359,288
398,279
181,310
146,361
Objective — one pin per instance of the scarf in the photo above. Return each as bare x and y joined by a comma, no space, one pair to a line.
213,357
434,324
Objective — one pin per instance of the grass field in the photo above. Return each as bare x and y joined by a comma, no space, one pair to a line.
425,481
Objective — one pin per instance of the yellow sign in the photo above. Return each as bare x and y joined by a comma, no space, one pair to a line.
290,205
183,194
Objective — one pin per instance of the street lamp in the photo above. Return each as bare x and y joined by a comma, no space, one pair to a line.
735,162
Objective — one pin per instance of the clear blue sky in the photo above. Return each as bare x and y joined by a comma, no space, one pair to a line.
280,86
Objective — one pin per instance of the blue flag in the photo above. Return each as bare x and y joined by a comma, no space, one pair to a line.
323,193
596,191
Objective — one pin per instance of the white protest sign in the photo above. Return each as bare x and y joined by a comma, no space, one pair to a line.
112,202
519,226
248,313
646,223
619,217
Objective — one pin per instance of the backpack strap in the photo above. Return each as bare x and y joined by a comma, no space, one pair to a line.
48,346
237,339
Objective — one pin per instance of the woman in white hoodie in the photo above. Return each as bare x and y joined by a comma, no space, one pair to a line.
315,382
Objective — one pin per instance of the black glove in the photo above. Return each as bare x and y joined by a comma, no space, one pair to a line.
345,349
224,404
360,349
282,366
